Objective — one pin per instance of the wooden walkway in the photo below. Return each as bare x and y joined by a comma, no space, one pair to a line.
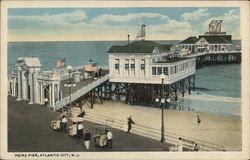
29,131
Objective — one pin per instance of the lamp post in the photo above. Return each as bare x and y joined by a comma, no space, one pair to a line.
69,85
162,100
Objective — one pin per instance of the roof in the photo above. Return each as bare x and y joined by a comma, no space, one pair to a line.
30,61
189,40
172,60
140,47
217,39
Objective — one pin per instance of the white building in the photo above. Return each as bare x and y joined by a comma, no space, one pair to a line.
139,62
213,41
26,82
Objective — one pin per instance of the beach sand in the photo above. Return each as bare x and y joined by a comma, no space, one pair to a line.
219,129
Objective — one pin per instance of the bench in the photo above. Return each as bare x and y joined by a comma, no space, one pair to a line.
189,144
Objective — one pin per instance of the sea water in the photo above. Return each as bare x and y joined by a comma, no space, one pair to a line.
218,87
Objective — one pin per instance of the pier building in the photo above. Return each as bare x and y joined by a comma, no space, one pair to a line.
143,62
212,41
136,71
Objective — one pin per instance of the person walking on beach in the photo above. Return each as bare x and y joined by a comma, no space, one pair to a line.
109,138
87,139
130,122
198,120
180,145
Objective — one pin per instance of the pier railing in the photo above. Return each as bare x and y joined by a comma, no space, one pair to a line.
153,133
80,92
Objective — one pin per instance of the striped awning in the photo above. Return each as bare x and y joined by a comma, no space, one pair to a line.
90,68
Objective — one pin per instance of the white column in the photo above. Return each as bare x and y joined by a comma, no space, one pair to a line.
14,86
36,88
50,95
24,86
53,95
19,85
31,80
41,94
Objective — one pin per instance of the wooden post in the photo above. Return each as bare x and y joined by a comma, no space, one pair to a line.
189,86
91,99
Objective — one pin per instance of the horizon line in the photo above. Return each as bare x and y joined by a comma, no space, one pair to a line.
98,40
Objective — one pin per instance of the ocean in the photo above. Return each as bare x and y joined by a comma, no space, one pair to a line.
218,88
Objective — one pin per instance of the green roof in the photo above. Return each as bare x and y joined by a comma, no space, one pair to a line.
139,47
217,39
189,40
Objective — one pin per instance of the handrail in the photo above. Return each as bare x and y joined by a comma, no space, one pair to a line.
80,92
150,132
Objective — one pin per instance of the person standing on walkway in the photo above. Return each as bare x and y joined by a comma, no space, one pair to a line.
87,139
180,145
64,123
80,130
198,120
130,122
100,72
109,138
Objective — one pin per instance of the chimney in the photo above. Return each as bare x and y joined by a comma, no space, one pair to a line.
128,38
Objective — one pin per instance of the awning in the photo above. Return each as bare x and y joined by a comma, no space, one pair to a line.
90,68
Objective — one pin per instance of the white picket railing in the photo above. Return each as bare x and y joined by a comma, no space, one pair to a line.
80,92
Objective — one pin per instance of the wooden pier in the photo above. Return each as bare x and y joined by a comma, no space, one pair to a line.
216,58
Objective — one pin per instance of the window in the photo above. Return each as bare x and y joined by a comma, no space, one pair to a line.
165,70
159,70
126,64
143,64
175,69
153,70
116,63
132,65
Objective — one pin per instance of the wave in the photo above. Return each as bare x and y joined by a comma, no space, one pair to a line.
207,97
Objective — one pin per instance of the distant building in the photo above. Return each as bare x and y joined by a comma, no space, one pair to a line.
212,41
188,44
143,62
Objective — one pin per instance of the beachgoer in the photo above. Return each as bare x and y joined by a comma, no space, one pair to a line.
198,120
64,123
87,139
80,130
109,138
130,122
180,145
196,147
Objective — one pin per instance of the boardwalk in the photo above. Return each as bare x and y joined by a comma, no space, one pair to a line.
29,131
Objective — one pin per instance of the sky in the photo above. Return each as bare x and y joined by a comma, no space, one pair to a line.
101,24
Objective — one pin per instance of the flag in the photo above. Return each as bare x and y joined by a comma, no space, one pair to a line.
61,62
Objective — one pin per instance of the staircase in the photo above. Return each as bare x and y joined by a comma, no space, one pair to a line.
80,92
